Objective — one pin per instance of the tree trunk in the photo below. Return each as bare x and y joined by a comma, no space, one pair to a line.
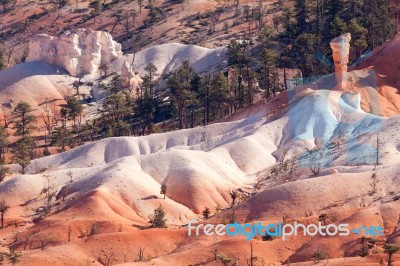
115,24
390,259
284,78
180,116
267,83
207,105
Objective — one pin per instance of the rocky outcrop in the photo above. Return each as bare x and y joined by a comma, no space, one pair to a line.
128,77
80,51
340,51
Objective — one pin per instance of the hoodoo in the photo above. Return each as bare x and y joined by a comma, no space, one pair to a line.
80,51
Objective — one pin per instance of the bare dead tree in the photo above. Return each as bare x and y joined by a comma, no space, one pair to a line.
69,233
252,259
374,176
127,15
108,258
140,254
234,195
117,19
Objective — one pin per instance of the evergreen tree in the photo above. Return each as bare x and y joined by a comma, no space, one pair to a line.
114,86
268,57
144,111
284,61
206,213
74,109
302,15
62,138
337,27
115,112
149,81
289,26
157,220
3,171
179,83
163,190
98,7
380,23
358,36
220,95
24,152
22,119
3,142
3,57
391,249
304,51
240,58
3,209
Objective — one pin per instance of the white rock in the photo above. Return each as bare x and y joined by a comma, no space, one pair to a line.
80,51
128,76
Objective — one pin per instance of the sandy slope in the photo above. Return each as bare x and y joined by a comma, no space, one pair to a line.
385,62
32,82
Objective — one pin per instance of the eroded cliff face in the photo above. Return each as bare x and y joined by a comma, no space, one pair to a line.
80,51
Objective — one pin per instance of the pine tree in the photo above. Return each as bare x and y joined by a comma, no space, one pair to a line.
391,249
157,220
219,95
378,21
22,119
144,111
268,57
3,142
113,87
24,152
304,51
3,57
62,138
163,190
289,26
302,14
337,27
149,81
115,112
240,58
206,213
3,209
74,109
98,7
179,83
3,171
358,36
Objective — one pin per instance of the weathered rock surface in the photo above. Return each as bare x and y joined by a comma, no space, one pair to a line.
340,51
80,51
128,77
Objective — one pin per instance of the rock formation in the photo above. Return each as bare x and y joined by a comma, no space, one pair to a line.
340,51
128,77
80,51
